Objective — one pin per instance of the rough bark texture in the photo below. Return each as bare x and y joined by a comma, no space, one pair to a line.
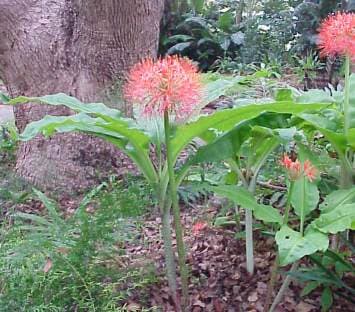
79,47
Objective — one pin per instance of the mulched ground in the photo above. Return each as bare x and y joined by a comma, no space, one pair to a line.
219,281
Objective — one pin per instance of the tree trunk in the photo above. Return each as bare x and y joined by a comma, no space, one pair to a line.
79,47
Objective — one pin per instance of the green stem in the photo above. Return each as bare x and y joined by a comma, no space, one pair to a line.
249,232
288,203
347,96
234,166
276,265
346,174
248,218
272,282
176,212
302,217
284,287
249,240
168,251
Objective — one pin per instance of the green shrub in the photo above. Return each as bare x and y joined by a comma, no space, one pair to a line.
49,263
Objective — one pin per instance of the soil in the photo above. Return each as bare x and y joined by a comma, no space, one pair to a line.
219,281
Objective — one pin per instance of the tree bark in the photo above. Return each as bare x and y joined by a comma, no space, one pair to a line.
79,47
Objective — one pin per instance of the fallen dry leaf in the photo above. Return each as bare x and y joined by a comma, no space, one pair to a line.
304,307
48,265
133,307
253,297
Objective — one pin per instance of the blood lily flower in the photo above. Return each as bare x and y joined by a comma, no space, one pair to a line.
169,84
337,35
295,169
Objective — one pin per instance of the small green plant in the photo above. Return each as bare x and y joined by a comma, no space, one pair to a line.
307,68
331,273
49,263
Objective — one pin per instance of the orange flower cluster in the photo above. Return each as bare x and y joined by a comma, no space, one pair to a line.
295,169
169,84
337,35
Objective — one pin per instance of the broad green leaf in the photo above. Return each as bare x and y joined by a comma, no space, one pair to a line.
337,198
329,128
132,141
245,199
315,96
267,213
336,220
293,246
98,109
227,119
326,299
124,126
225,146
229,144
321,122
261,145
111,125
305,197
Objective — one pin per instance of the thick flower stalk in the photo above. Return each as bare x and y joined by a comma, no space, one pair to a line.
168,88
170,85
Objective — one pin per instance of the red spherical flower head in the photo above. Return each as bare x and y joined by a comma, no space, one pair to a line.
337,35
169,84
